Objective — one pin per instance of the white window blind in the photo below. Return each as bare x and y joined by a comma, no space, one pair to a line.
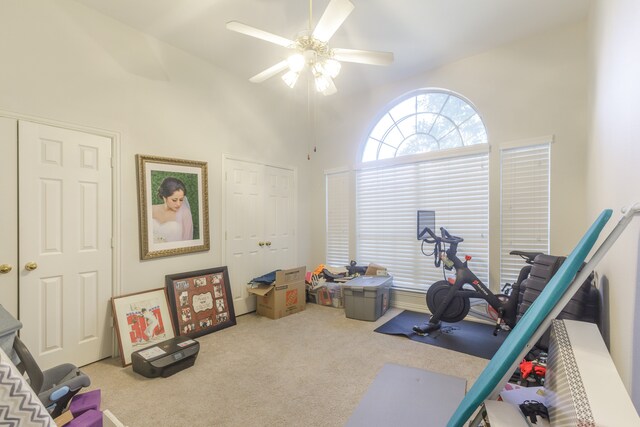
337,187
387,198
524,205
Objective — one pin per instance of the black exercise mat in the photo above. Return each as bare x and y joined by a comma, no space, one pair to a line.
467,337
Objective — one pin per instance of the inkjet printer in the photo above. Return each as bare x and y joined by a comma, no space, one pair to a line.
166,358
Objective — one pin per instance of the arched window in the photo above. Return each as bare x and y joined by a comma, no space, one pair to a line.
440,144
426,120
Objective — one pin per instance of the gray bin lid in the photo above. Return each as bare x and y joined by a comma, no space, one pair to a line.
369,282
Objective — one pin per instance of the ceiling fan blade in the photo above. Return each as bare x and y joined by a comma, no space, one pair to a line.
269,72
369,57
248,30
333,16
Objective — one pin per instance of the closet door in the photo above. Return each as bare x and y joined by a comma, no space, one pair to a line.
9,216
259,226
279,219
244,229
65,241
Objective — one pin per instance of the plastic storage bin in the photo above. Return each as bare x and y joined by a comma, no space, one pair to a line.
367,297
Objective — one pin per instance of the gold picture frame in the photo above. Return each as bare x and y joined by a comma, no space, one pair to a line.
173,206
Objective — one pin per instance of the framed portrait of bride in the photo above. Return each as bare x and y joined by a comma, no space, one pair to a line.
173,206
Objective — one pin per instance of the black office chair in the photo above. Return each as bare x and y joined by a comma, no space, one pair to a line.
56,386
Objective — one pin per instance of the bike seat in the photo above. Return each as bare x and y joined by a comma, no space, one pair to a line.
530,256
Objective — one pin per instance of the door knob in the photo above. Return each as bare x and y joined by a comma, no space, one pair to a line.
30,266
268,243
261,244
5,268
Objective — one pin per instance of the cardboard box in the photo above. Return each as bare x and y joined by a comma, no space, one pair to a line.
63,419
283,297
376,270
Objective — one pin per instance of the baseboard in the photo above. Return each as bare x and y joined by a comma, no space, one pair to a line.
409,300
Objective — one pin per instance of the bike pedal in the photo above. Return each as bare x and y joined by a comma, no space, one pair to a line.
426,328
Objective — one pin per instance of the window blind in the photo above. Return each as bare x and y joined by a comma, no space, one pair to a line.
524,205
337,218
387,199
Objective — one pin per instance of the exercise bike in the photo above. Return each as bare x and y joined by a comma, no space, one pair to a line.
450,301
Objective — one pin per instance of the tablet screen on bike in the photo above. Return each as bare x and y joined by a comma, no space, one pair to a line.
426,219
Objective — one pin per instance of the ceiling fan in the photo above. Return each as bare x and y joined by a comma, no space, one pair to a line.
311,50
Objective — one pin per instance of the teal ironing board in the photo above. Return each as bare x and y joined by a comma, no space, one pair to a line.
527,330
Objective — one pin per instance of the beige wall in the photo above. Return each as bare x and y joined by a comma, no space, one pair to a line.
64,62
613,160
528,89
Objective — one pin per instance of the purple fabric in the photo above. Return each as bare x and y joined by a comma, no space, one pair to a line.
84,402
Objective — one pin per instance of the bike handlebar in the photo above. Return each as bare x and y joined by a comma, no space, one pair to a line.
446,237
427,230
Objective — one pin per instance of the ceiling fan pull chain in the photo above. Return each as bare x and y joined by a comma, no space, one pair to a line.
309,116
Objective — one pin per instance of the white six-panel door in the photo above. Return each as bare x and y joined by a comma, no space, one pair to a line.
259,225
65,254
9,217
279,219
243,233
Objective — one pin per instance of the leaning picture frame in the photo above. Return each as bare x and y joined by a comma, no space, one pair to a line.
173,206
141,320
200,301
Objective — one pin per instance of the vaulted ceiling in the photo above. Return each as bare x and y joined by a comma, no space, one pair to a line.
422,34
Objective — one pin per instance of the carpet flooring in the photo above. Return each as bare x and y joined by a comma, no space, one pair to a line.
308,369
473,338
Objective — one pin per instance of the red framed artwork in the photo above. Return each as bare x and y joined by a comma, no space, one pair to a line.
142,319
200,301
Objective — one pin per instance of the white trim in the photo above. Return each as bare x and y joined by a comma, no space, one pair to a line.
334,171
418,158
116,186
547,139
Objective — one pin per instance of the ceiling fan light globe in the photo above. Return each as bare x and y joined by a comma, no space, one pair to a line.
331,89
332,67
296,62
318,69
322,82
290,78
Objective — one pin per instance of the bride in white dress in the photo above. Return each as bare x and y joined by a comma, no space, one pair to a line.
172,219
